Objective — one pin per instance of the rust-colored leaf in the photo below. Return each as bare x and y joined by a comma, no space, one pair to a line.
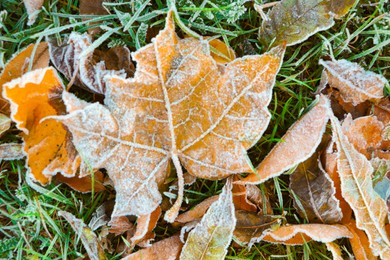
335,250
47,143
240,197
357,189
84,184
179,106
354,83
211,237
33,7
301,234
359,243
316,193
19,64
119,225
168,248
197,212
299,143
145,226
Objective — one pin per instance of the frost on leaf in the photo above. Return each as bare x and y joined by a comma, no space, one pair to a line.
36,55
299,143
359,243
315,191
197,212
47,143
211,237
87,69
11,151
301,234
180,106
357,189
354,83
33,7
5,123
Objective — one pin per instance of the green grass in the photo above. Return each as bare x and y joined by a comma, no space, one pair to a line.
29,225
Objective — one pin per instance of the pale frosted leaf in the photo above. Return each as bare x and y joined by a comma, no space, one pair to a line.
357,189
180,106
300,234
315,191
211,237
299,143
196,212
335,250
87,236
168,249
354,83
5,123
33,7
11,151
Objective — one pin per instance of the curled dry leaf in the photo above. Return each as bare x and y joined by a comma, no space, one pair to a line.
316,193
359,243
211,237
88,238
301,234
88,70
11,151
335,250
47,143
36,55
357,188
197,212
179,106
354,83
5,123
120,225
33,7
251,226
168,248
240,197
145,226
299,143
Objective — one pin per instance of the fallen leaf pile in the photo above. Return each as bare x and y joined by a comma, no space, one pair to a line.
186,111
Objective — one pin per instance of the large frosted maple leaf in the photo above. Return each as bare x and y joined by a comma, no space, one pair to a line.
180,106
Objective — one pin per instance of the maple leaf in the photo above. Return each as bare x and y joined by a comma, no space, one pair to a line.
180,105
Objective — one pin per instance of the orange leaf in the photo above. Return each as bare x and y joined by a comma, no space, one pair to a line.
240,197
145,225
46,142
83,184
18,65
359,243
221,53
197,212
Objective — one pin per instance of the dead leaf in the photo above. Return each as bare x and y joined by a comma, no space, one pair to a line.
84,184
87,70
5,123
240,197
88,237
179,106
47,143
11,151
359,243
19,64
301,234
251,226
354,83
335,250
168,248
211,237
262,202
340,7
357,189
93,7
120,225
220,52
33,7
299,143
197,212
316,193
145,226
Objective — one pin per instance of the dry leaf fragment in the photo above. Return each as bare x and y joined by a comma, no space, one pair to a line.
178,106
88,237
19,64
354,83
145,226
33,7
221,53
340,7
240,197
11,151
335,250
5,123
301,234
197,212
166,249
84,184
299,143
316,193
47,143
357,189
211,237
359,243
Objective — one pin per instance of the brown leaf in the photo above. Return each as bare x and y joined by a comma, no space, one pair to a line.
92,7
84,184
88,237
46,142
178,106
354,83
5,123
316,193
33,7
197,212
211,237
340,7
299,143
19,64
11,151
261,201
359,243
240,197
301,234
145,226
120,225
251,226
168,248
356,185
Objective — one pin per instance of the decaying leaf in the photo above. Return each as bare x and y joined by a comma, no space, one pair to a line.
145,226
88,70
181,106
36,55
359,243
211,237
356,185
33,7
197,212
299,143
251,226
168,248
335,250
5,123
301,234
240,197
84,184
87,236
11,151
354,83
47,143
340,7
120,225
316,193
